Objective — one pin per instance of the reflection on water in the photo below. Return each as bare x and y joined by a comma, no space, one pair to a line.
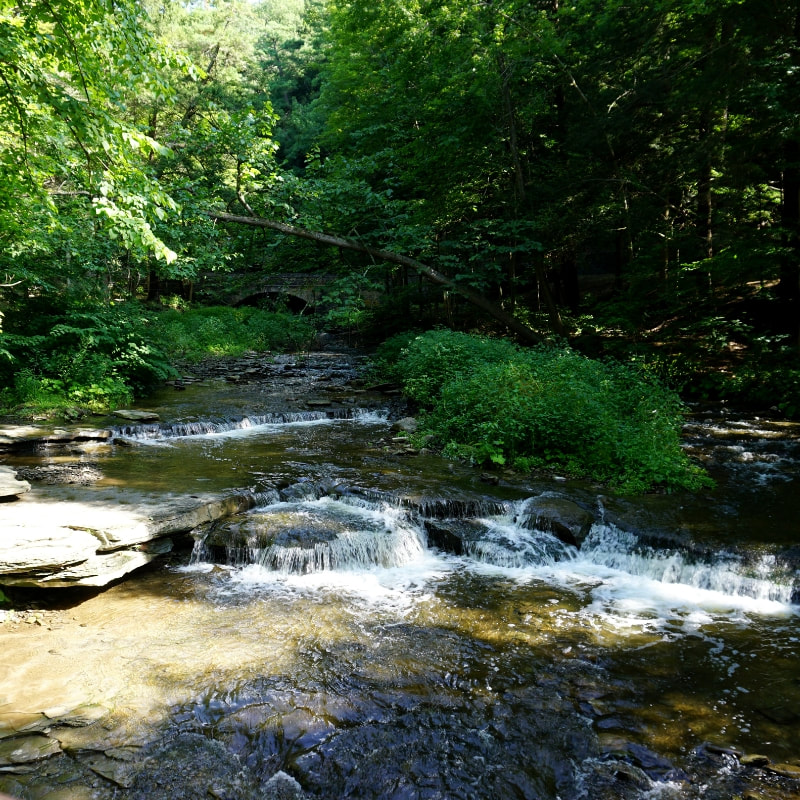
323,636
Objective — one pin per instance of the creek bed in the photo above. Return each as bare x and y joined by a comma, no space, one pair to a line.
522,667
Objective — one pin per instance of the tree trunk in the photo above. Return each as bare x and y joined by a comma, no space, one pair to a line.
789,286
153,286
433,275
705,205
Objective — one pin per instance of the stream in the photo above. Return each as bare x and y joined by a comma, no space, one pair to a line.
388,624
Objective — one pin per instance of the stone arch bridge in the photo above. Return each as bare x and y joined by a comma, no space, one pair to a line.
299,289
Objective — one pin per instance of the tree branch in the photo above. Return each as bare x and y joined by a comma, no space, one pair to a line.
433,275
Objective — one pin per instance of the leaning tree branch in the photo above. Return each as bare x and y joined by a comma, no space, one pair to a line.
512,323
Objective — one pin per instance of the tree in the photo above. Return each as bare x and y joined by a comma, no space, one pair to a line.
65,69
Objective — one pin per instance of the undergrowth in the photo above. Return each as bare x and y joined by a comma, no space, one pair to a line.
93,361
199,333
495,404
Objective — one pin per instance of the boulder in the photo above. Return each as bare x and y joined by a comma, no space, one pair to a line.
557,515
451,535
406,424
10,486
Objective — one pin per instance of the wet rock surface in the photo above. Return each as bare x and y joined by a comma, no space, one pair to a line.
82,473
51,542
563,517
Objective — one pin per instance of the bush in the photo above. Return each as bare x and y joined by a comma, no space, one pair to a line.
493,403
94,360
384,364
434,358
223,331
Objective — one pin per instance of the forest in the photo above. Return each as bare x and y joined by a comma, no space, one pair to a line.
618,181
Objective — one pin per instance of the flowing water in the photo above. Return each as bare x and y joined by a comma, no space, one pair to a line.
331,635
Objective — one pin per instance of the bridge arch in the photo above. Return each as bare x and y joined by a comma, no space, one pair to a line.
294,302
302,290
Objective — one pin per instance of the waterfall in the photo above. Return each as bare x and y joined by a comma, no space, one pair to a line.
349,550
315,535
357,529
760,577
505,545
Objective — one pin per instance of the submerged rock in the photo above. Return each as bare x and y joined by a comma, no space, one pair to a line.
754,760
192,766
282,787
81,473
785,770
24,749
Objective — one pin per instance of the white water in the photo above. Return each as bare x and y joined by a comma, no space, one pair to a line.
370,537
380,553
760,579
245,426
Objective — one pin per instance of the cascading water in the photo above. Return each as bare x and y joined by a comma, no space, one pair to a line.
325,534
355,532
240,424
759,577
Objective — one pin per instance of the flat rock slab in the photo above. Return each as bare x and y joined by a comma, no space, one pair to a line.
10,486
24,749
26,437
46,540
136,416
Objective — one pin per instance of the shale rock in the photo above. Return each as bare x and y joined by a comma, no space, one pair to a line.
24,749
136,416
52,542
10,486
557,515
191,766
79,473
31,438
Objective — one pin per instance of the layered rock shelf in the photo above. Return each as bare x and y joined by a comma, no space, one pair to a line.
47,541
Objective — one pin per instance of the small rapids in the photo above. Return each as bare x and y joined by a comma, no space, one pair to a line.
759,577
318,535
203,428
359,533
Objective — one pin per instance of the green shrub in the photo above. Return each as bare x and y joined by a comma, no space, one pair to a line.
434,358
383,365
94,360
493,403
223,331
